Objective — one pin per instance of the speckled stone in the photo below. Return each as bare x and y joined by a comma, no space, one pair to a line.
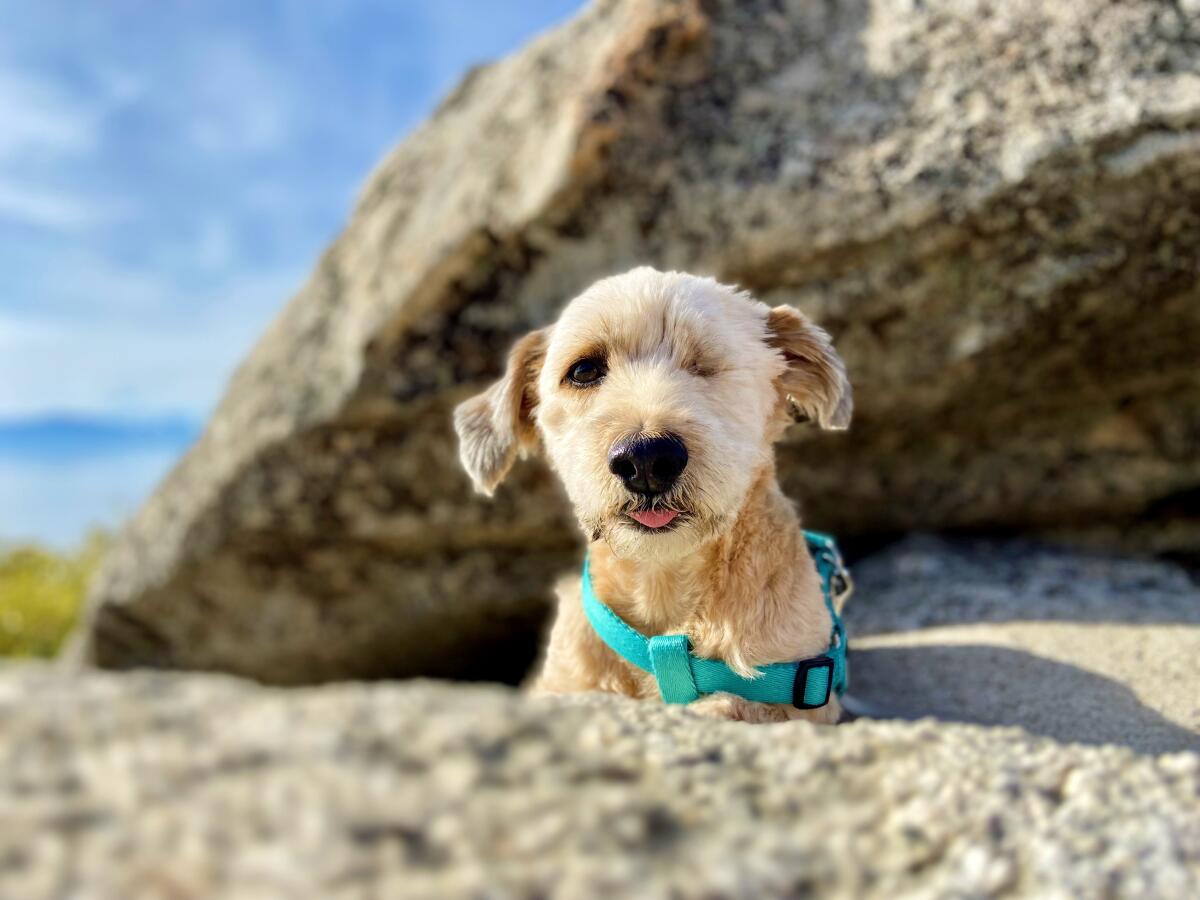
192,786
993,206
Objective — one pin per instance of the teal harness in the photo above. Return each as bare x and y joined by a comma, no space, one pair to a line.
683,677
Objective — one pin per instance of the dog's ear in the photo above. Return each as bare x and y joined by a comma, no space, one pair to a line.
497,424
814,381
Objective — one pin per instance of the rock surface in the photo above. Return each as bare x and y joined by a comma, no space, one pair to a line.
1073,646
190,786
994,207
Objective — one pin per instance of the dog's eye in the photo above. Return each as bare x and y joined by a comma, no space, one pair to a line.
585,372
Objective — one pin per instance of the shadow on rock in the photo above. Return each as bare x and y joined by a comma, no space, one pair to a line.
990,685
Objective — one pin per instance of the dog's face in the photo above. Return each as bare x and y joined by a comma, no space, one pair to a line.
657,397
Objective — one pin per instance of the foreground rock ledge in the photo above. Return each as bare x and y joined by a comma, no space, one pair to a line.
200,786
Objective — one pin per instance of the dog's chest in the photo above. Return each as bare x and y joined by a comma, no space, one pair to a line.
665,601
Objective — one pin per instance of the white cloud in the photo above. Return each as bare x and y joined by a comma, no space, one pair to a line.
88,284
118,86
47,208
237,103
164,361
45,130
39,117
14,332
215,247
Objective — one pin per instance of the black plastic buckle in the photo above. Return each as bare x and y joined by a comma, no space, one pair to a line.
802,669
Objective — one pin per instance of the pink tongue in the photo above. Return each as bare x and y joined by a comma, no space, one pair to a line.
655,518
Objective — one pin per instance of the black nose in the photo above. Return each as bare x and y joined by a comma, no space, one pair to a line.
648,465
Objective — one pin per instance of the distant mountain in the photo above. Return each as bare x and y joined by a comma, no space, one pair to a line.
71,437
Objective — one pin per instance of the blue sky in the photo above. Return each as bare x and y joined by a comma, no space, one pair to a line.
169,173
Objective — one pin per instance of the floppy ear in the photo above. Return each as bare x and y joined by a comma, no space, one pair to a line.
497,424
815,379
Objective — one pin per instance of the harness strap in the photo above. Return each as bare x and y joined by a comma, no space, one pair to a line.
683,677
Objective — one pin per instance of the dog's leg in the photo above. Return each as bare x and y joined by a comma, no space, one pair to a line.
576,659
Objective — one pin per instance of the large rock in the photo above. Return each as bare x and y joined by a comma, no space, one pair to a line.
190,786
992,206
1078,647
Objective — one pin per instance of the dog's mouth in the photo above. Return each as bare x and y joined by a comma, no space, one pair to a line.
654,519
654,515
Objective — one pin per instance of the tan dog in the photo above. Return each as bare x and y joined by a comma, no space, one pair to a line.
658,398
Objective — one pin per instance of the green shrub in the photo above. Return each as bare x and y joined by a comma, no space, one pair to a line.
41,593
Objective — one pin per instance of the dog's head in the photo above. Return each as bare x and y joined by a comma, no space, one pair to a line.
657,397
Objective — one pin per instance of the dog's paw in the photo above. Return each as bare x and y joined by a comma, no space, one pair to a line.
718,706
736,709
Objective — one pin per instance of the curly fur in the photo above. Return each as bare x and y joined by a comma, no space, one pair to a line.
687,356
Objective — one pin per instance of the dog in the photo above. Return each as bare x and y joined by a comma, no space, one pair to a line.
657,398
